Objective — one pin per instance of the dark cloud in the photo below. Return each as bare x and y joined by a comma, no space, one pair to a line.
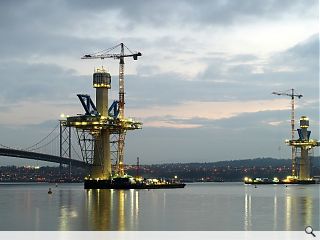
190,11
225,79
24,82
170,88
303,57
41,27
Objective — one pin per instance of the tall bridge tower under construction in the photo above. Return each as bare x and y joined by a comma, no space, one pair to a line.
100,121
304,144
101,130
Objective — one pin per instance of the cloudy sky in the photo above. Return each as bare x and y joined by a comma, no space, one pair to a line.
202,87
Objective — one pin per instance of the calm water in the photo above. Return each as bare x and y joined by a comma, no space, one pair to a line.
209,206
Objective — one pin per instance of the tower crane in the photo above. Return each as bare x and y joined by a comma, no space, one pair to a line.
291,93
108,54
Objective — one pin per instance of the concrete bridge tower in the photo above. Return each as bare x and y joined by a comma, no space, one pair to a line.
101,162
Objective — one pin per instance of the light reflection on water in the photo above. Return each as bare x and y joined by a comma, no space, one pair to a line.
210,206
112,209
294,207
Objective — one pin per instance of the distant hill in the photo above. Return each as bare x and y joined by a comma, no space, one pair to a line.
256,162
233,170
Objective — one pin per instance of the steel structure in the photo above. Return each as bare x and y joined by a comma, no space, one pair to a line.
116,110
305,144
291,93
65,143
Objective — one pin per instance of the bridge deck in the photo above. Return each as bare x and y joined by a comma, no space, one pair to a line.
41,156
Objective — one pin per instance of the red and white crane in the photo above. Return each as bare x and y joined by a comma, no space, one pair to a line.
291,93
121,56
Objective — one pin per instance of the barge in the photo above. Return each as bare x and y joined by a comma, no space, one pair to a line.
127,182
288,180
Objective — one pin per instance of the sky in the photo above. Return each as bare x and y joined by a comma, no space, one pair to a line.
202,88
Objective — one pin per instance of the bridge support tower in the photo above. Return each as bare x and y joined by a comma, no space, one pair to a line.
65,144
304,144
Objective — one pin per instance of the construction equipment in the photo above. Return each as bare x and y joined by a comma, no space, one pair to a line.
120,115
291,93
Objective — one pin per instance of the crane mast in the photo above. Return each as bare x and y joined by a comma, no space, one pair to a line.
292,95
122,132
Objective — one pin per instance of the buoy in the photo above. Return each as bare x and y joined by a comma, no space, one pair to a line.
56,184
49,192
255,186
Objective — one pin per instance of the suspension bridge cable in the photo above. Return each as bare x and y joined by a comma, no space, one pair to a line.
43,139
42,146
6,146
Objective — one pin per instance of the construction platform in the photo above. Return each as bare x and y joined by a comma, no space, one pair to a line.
259,181
127,183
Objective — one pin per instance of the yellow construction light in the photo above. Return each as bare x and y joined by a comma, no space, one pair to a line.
247,179
304,143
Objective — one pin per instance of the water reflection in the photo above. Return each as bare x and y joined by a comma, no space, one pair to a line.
300,213
275,211
290,209
112,209
67,210
247,212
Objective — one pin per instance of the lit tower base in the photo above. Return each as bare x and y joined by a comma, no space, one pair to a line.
304,144
94,129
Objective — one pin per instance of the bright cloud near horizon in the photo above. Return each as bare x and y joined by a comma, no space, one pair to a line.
202,86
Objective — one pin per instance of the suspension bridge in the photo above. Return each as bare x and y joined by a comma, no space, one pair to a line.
57,147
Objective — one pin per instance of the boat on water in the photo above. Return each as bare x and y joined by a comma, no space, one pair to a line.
128,182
